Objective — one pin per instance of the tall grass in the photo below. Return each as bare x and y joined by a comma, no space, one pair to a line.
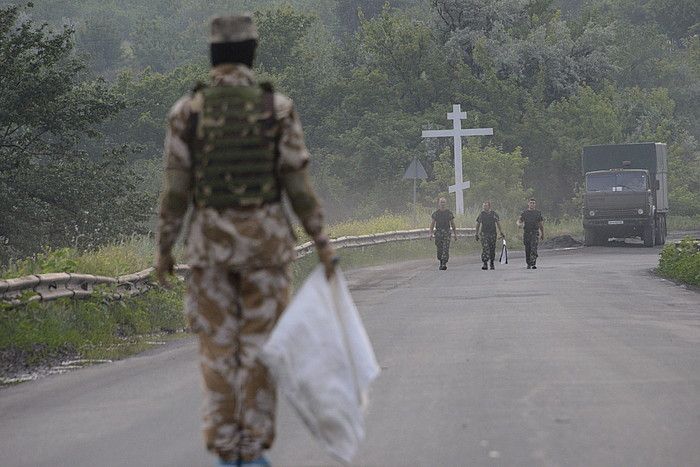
684,222
36,333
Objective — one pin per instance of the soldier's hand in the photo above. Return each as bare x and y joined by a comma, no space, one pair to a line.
476,237
503,236
164,267
455,237
431,235
327,255
329,259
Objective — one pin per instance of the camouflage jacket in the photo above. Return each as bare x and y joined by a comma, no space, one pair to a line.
236,238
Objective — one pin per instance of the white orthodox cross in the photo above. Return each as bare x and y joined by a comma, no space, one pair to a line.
457,132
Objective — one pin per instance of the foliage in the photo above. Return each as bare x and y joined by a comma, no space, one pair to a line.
57,186
493,174
127,256
88,326
366,76
681,261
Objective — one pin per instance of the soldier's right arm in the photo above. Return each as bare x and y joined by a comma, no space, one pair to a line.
177,184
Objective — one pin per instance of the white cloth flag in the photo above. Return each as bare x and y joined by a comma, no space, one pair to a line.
323,362
504,253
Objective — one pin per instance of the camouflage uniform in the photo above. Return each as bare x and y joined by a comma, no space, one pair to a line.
442,220
487,221
239,256
442,242
488,247
531,239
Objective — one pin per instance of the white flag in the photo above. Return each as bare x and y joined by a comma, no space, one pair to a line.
323,362
504,253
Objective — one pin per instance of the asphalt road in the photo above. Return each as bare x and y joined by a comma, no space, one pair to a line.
590,360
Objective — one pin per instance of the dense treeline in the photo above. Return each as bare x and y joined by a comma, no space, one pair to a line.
366,77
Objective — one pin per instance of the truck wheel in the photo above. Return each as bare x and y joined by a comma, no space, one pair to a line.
649,234
660,237
589,237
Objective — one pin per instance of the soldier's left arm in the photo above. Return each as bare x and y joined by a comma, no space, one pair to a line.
293,168
295,180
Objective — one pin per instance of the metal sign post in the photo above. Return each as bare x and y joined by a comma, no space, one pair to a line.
415,171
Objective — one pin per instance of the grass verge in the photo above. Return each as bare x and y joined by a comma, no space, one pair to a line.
681,261
41,334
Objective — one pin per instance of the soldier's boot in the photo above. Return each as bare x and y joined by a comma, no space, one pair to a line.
442,263
534,267
485,266
529,267
491,265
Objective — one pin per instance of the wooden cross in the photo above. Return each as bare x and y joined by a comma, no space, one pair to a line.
457,132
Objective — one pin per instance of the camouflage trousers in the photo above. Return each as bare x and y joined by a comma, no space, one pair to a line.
233,313
530,240
488,247
442,242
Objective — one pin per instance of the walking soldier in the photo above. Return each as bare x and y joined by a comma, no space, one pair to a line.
486,225
232,148
443,219
533,230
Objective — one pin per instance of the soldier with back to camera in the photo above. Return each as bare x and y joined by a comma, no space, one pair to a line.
232,148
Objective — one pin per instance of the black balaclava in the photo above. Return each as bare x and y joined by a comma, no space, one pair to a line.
233,52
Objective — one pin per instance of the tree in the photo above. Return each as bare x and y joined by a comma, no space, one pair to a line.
493,174
404,50
281,30
52,191
523,39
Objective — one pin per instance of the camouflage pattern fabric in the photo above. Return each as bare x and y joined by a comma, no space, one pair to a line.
233,313
530,240
237,238
239,283
488,247
442,242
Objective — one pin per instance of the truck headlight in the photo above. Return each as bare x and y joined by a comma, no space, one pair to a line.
591,213
640,211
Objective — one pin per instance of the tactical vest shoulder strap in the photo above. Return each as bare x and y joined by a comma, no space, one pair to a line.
193,120
269,106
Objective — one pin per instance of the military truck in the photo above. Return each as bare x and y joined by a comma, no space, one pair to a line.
626,192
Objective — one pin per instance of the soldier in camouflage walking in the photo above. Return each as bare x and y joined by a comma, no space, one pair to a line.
443,219
232,148
486,225
532,223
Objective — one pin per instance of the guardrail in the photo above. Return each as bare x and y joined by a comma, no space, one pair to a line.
46,287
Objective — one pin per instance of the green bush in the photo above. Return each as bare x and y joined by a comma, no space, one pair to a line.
681,261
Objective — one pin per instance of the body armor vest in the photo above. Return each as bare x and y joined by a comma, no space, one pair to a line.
234,150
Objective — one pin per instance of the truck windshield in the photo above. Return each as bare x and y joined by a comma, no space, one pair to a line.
617,181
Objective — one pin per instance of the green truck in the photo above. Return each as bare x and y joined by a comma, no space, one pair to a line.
626,192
